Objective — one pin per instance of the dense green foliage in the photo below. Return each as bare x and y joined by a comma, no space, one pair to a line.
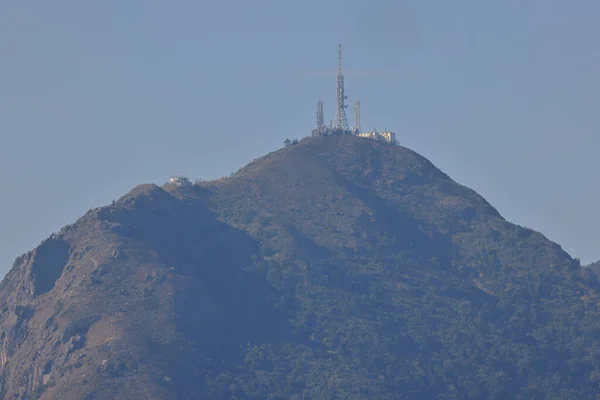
390,328
444,303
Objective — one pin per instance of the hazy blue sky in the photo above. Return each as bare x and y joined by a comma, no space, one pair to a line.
96,97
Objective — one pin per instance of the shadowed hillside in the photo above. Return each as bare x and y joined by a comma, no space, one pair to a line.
337,268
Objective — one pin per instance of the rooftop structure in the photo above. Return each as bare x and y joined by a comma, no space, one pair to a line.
179,180
385,136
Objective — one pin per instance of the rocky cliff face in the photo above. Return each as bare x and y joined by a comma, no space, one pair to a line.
339,267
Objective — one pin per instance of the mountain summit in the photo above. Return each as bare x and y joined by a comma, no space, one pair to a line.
336,268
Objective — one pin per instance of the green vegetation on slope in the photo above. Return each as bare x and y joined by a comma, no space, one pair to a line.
337,268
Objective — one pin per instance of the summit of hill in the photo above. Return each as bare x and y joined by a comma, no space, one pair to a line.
335,268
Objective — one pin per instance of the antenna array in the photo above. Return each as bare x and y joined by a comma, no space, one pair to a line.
341,123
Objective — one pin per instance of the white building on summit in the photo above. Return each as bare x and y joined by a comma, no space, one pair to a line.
178,180
340,127
386,136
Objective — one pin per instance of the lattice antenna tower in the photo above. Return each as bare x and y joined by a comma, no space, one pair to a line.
356,128
341,123
320,116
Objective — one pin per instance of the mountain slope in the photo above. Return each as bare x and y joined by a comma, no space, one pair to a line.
339,267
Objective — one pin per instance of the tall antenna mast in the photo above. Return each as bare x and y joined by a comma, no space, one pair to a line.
320,117
341,123
356,128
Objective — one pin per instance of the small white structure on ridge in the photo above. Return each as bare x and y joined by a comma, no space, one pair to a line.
181,181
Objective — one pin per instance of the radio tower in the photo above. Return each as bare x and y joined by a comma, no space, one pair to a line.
341,123
320,117
356,127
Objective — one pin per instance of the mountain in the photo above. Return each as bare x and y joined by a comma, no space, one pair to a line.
595,265
336,268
